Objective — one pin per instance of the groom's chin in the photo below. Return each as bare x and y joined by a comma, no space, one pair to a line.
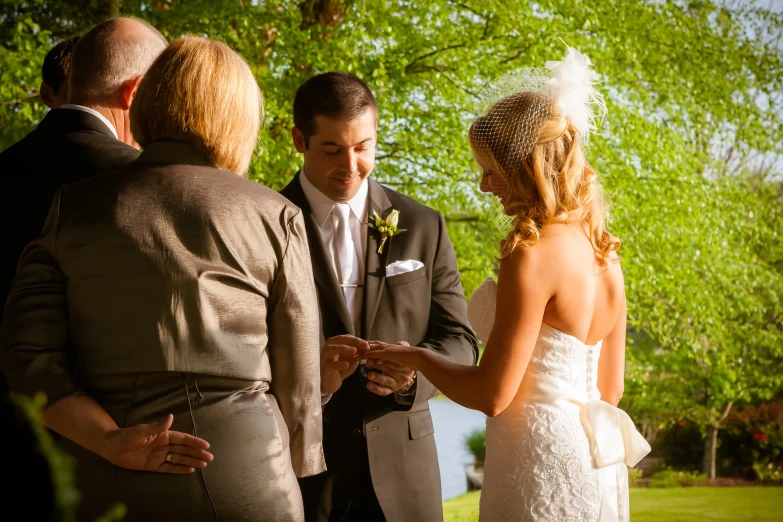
342,191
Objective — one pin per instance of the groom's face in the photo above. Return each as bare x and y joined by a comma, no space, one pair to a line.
340,156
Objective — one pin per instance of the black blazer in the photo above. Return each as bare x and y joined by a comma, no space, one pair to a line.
425,307
67,146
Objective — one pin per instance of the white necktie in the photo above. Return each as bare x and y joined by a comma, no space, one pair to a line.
345,255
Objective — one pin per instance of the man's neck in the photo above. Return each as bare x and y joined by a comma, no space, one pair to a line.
100,112
117,119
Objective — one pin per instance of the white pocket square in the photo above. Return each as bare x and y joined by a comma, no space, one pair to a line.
403,267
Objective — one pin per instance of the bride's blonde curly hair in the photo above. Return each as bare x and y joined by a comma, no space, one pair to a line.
553,183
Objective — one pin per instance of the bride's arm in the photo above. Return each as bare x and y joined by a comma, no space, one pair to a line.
611,363
524,289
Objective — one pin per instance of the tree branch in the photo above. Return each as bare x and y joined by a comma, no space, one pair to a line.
460,86
18,100
433,53
514,57
463,219
417,163
725,413
485,32
467,8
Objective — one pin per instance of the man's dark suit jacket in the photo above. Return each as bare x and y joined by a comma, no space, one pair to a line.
67,146
426,308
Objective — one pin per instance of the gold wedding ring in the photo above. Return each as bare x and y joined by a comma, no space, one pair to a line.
168,457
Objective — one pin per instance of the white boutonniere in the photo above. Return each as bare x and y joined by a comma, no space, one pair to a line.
386,227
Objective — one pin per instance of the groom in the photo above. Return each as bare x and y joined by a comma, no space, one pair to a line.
380,451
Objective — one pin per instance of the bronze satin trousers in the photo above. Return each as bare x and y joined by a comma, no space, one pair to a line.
250,478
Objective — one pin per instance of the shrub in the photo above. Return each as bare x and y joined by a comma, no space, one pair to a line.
680,445
476,443
634,477
769,472
753,440
670,478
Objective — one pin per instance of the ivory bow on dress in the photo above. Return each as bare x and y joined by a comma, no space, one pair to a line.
612,434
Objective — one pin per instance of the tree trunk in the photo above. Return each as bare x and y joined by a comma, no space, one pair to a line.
711,444
108,9
330,13
710,451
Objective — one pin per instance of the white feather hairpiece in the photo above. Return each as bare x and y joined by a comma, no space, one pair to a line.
571,86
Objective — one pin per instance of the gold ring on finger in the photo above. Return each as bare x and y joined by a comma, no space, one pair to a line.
168,457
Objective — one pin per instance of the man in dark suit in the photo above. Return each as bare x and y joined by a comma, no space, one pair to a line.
378,435
89,134
71,143
54,74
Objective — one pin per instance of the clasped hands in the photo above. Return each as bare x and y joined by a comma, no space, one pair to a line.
341,356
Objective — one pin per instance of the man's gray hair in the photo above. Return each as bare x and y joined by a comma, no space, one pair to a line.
111,53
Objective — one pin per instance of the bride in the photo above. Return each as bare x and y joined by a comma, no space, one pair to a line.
552,370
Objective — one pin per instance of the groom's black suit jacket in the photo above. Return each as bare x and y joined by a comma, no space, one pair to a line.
426,308
68,145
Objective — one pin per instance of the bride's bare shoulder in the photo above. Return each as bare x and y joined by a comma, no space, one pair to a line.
561,249
526,271
533,261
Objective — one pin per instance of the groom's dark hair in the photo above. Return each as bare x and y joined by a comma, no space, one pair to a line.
335,95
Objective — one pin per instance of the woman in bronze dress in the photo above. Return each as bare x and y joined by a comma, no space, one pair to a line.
170,302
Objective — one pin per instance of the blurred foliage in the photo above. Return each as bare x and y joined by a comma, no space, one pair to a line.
753,442
669,478
476,442
61,464
634,477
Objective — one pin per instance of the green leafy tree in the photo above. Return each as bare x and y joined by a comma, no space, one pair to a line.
693,89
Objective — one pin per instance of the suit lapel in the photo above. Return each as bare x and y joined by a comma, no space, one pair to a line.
325,278
375,263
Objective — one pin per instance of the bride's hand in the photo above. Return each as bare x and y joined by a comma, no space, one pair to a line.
153,447
400,354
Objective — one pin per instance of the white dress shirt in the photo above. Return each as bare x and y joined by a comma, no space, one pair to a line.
322,206
94,113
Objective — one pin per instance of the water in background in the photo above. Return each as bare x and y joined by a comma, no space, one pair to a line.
453,423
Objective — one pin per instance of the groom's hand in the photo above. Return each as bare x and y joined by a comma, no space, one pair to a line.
338,362
388,377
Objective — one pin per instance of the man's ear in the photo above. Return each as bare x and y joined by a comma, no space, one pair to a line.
299,140
128,92
47,94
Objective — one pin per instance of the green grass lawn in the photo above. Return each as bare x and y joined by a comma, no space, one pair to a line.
670,505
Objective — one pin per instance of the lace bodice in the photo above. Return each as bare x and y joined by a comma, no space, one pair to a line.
560,367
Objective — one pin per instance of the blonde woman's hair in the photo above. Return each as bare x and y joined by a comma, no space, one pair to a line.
201,92
552,184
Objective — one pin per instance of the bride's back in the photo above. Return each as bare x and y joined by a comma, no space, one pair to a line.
589,299
559,264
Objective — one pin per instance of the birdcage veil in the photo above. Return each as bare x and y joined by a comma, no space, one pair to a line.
513,109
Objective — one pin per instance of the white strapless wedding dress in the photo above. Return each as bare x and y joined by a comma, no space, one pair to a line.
557,453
